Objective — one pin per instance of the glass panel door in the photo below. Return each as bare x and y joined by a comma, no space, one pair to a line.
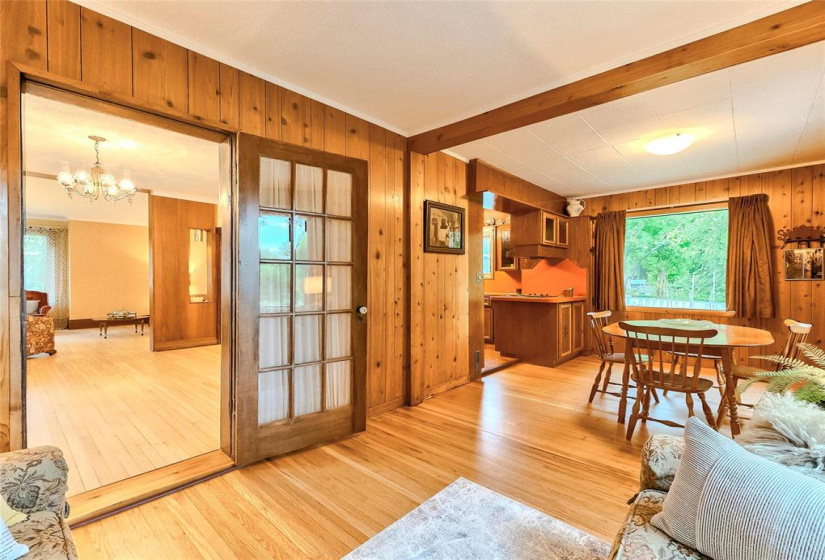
303,232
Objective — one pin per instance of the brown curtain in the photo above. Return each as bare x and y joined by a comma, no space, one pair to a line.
608,292
750,268
46,268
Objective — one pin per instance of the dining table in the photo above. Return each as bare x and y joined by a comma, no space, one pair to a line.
727,339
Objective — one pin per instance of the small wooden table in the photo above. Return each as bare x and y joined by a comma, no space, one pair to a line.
104,323
727,340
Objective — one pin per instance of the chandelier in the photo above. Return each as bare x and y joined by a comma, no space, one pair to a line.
91,183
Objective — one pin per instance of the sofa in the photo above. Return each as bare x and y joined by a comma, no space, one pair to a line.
33,481
638,539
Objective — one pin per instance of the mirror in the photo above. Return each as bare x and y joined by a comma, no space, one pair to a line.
200,265
487,254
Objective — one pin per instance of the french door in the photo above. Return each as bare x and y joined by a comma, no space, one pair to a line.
302,291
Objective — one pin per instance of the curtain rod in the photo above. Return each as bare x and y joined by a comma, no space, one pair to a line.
717,203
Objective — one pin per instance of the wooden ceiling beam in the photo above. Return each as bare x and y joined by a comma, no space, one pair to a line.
780,32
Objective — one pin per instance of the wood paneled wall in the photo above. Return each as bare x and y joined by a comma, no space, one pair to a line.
439,284
78,43
177,322
797,196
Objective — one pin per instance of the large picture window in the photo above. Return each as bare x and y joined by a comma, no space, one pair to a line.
677,260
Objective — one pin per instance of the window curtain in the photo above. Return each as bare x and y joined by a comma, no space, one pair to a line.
608,290
750,267
46,268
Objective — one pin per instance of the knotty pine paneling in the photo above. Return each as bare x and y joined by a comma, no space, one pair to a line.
439,305
296,118
795,198
106,51
272,126
160,71
204,87
230,96
253,104
64,38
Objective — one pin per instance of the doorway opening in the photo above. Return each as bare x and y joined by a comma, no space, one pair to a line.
122,260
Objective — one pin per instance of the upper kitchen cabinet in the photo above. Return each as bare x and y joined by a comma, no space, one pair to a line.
541,227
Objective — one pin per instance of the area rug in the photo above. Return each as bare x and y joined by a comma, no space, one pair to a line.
468,521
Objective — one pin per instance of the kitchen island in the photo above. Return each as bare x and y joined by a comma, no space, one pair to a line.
540,330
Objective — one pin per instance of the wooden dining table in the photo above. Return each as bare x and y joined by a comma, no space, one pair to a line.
727,340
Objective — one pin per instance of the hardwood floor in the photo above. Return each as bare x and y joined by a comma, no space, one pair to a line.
118,410
493,361
526,432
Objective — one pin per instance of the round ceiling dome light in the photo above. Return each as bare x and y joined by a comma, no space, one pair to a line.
667,145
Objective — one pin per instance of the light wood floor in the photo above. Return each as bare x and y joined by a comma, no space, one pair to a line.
118,410
494,361
526,432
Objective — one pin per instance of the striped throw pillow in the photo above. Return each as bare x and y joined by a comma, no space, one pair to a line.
730,504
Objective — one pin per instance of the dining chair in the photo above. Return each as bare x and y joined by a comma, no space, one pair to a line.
647,348
797,333
603,345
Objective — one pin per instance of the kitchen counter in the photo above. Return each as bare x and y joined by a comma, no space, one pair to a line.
535,299
545,335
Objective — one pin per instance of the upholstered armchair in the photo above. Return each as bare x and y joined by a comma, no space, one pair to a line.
39,325
41,307
34,481
637,537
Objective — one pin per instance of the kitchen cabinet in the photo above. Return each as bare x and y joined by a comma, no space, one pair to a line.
578,327
488,324
544,331
541,227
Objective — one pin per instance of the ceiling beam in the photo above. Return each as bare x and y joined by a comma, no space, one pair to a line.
780,32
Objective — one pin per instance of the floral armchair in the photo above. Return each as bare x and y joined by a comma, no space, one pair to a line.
33,481
39,335
638,539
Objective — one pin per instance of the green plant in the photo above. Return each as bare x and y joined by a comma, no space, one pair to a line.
806,381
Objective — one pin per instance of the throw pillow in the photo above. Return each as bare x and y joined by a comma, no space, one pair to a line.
10,516
730,504
9,548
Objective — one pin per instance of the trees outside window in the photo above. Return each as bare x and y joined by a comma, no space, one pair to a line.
677,260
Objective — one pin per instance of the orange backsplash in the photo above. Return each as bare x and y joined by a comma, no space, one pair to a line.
548,277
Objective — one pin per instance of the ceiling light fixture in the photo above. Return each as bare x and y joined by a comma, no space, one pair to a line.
91,183
668,145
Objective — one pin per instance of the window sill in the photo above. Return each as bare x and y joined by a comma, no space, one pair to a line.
681,311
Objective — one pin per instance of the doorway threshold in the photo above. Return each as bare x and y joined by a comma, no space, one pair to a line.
113,498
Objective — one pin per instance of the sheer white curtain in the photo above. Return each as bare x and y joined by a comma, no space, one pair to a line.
46,268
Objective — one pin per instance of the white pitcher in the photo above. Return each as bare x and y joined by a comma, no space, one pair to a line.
575,206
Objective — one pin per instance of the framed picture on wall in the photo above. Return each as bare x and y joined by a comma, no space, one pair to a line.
443,228
804,264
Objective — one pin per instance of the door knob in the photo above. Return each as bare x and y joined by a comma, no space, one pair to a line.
363,310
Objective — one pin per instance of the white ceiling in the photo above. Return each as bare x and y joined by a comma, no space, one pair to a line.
412,65
164,162
760,115
45,200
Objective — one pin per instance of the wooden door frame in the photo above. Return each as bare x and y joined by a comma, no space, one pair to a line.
11,303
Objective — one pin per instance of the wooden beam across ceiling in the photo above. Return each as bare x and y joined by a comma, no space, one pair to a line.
780,32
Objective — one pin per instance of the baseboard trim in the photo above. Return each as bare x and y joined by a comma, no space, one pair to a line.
181,344
83,324
386,407
113,498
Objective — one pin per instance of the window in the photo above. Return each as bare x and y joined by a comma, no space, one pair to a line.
677,260
487,255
